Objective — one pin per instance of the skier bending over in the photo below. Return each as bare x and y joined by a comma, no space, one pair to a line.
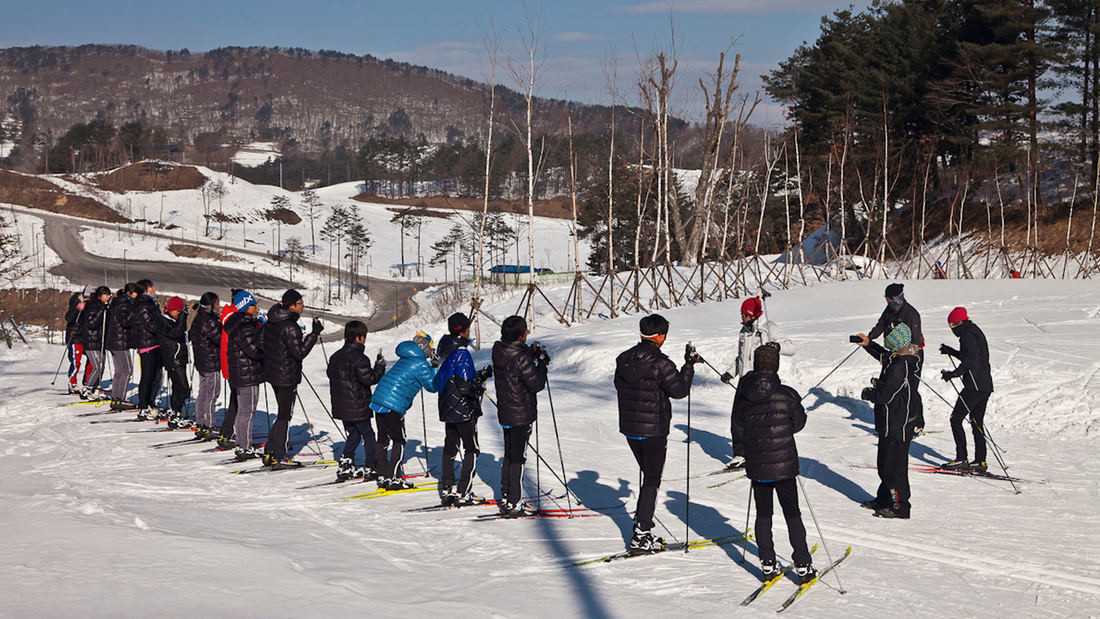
645,379
460,388
350,378
392,398
898,311
899,416
977,379
520,373
766,415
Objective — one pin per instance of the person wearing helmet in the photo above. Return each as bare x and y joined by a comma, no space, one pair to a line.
977,380
391,400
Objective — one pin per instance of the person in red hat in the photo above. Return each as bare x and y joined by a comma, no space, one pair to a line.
977,380
755,332
173,354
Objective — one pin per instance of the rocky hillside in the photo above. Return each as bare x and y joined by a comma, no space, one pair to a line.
317,99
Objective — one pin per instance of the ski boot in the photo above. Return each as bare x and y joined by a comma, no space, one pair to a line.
468,499
873,505
512,510
145,414
242,454
979,467
958,464
894,510
770,569
449,498
736,464
365,473
176,421
162,414
398,483
805,573
643,542
345,470
225,442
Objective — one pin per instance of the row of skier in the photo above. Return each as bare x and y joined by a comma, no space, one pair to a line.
248,349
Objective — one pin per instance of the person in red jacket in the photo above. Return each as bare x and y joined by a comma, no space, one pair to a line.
225,438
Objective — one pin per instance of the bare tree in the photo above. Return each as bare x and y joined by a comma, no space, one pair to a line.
526,75
13,262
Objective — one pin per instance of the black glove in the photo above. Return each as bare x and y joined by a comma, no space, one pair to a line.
379,363
946,375
946,350
868,394
483,374
540,354
727,378
691,356
317,326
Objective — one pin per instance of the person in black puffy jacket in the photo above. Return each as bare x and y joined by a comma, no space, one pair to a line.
118,343
899,416
520,372
92,329
977,380
205,335
145,327
284,350
766,416
74,348
173,349
460,387
245,360
899,311
645,380
350,378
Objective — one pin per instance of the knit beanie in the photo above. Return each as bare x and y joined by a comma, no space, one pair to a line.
175,304
957,315
243,299
899,337
752,307
766,357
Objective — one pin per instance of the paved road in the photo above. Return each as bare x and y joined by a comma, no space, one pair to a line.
392,300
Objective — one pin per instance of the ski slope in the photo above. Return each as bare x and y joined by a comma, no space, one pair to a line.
95,520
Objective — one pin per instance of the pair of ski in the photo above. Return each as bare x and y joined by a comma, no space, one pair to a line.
293,465
927,468
337,482
802,589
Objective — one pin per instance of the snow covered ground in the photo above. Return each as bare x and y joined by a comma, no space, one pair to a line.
95,520
39,257
255,154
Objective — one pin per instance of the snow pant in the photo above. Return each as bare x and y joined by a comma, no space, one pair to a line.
893,473
650,454
76,353
284,398
360,432
150,378
466,434
391,429
93,372
247,397
787,491
230,418
209,383
970,403
120,380
515,456
180,388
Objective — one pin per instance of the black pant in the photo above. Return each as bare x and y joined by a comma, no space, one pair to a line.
230,415
276,443
650,455
466,434
893,473
970,403
391,428
359,432
177,376
515,455
151,367
787,489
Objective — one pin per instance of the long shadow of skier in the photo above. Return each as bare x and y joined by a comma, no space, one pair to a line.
609,500
821,473
714,445
709,523
588,597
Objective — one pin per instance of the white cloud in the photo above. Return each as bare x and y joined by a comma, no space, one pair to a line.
575,37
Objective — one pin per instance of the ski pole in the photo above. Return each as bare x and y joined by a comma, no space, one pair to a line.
968,412
813,516
687,506
424,429
323,407
557,438
981,428
835,368
68,341
708,364
745,531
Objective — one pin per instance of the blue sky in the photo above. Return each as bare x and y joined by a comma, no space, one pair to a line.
577,36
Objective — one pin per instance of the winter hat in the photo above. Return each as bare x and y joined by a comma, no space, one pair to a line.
766,357
752,307
894,290
290,297
512,329
243,299
957,315
457,323
899,337
653,325
424,341
175,304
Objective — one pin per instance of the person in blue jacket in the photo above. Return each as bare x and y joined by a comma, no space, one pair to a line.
392,398
460,387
